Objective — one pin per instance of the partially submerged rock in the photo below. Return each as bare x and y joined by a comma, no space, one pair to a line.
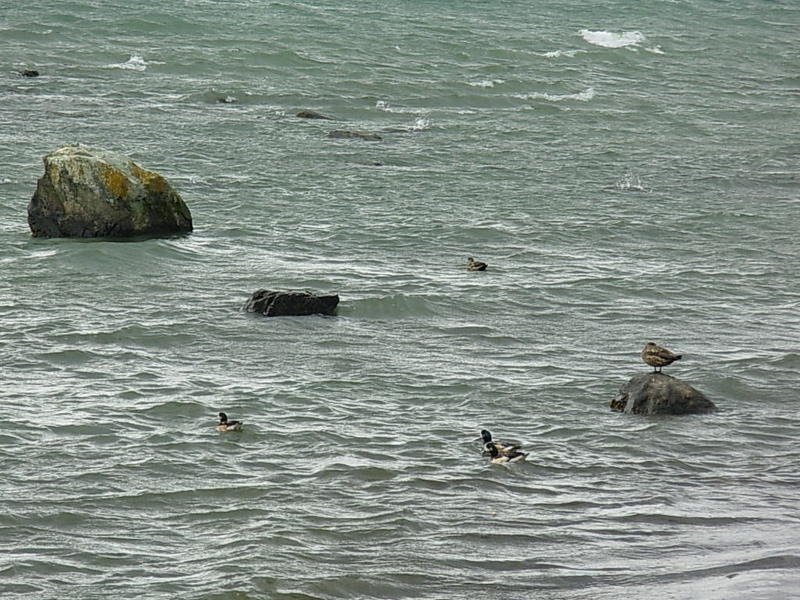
284,304
90,193
312,114
28,73
660,394
347,133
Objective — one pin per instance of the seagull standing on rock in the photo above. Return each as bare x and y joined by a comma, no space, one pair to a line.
657,356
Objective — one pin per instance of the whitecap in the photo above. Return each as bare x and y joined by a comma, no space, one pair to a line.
583,96
610,39
655,50
5,180
421,123
560,53
386,107
630,182
486,83
134,63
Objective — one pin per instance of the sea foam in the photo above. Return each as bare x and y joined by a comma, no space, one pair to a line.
486,83
610,39
583,96
134,63
560,53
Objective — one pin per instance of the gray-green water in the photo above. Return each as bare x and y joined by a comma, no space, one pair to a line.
628,169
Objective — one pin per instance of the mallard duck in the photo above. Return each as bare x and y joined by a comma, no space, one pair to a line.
225,425
475,265
498,458
657,357
502,447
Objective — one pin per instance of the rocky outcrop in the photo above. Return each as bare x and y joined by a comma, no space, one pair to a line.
284,304
90,193
312,114
347,133
660,394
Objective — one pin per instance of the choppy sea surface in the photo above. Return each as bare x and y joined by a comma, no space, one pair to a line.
629,170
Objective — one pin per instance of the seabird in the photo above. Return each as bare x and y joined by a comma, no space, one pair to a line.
475,265
498,458
225,425
502,447
657,357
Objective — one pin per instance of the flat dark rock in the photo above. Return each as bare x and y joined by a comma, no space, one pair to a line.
285,304
660,394
312,114
347,133
29,73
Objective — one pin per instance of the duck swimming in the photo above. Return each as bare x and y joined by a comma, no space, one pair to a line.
225,425
502,447
475,265
498,458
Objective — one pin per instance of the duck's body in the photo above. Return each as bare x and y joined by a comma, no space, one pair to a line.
658,357
502,447
510,457
475,265
225,425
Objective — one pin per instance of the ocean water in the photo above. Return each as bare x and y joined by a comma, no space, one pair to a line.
630,172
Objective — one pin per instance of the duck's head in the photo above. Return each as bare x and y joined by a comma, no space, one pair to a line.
223,418
487,437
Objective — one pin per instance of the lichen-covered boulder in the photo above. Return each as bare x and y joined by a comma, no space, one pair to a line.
284,304
660,394
94,193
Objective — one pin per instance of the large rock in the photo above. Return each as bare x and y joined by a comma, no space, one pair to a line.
91,193
660,394
283,304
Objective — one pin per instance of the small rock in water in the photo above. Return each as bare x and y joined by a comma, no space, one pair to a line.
286,304
312,114
346,133
660,394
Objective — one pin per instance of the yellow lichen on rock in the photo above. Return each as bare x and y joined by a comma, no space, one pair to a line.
154,182
116,181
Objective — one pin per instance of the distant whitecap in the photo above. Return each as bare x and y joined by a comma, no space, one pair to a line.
421,123
486,83
630,182
560,53
583,96
611,39
386,107
134,63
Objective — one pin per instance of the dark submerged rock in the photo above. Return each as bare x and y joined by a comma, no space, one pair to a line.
284,304
660,394
347,133
93,193
312,114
